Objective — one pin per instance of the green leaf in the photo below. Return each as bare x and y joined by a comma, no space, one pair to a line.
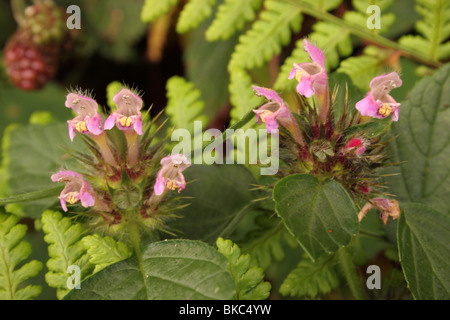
370,129
423,235
167,270
434,30
184,105
230,17
31,154
153,9
111,90
242,96
267,35
311,278
249,280
104,251
13,252
217,199
30,196
194,12
324,5
423,144
65,249
320,214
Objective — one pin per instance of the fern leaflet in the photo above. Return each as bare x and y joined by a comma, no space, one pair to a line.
13,251
267,35
65,249
104,251
311,278
153,9
249,280
230,17
194,12
434,28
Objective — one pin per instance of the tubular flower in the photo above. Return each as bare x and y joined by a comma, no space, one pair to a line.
387,208
378,103
356,145
170,176
88,120
275,112
128,115
76,189
311,77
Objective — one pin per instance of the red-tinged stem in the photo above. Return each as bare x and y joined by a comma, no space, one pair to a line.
133,147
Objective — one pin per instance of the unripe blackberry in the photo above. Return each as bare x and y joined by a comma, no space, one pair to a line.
28,66
44,22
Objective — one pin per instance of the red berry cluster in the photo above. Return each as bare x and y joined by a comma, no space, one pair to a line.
32,54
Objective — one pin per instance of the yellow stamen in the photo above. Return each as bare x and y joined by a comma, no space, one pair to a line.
71,197
81,126
171,185
264,115
298,75
125,121
385,109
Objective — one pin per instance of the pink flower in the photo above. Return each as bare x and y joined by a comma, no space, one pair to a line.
76,189
274,111
128,115
311,77
170,176
356,145
378,103
88,120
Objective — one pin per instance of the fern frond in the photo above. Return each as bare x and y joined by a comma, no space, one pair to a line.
362,69
311,278
231,16
323,5
241,94
153,9
184,105
65,249
104,251
434,29
267,35
248,279
194,12
13,251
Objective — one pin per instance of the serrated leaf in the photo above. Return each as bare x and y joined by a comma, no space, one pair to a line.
184,104
153,9
13,252
249,280
267,35
320,214
324,5
423,144
167,270
311,278
423,235
194,12
434,30
104,251
230,17
242,96
65,249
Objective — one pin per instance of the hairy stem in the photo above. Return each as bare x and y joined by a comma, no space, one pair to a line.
348,269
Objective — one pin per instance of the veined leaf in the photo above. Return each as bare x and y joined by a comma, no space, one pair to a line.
13,252
166,270
324,5
320,214
153,9
230,17
434,30
249,280
194,12
311,278
423,143
65,249
104,251
267,35
423,235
